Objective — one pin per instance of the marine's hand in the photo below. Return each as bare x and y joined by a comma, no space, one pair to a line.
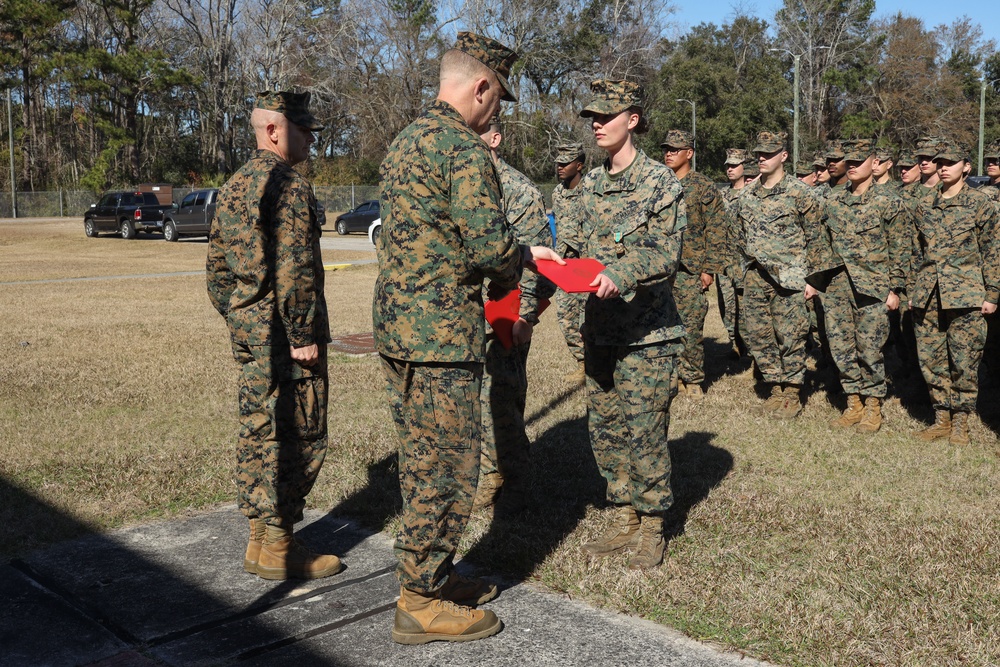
306,356
495,292
536,252
606,288
811,292
521,332
892,301
989,308
706,281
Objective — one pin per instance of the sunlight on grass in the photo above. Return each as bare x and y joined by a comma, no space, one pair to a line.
789,541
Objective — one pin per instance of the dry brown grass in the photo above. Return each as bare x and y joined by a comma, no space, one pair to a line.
789,541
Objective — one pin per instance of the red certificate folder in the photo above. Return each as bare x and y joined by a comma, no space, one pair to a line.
503,313
576,276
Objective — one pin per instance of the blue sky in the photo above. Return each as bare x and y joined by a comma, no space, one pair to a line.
933,12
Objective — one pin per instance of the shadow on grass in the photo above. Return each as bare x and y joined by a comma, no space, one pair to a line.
378,501
698,466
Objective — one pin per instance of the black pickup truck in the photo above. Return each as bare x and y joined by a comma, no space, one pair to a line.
125,213
193,217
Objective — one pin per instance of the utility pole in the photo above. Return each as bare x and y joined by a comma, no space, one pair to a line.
795,100
10,140
694,135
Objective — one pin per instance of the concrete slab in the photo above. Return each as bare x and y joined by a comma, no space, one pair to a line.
174,593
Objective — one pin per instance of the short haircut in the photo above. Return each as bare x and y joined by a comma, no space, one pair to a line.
459,65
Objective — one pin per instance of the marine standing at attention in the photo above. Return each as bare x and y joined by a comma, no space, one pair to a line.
265,276
702,257
443,234
955,283
632,332
570,161
777,222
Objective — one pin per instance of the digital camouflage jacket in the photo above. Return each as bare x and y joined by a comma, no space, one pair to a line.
633,223
264,266
443,234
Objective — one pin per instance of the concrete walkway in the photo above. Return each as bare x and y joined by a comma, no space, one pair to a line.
174,593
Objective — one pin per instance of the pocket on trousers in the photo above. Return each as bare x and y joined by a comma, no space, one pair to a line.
302,408
454,404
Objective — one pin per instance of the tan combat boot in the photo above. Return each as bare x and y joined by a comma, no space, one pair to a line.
791,406
257,530
284,557
959,429
941,428
488,490
695,392
466,590
872,421
423,618
852,415
622,534
775,401
651,544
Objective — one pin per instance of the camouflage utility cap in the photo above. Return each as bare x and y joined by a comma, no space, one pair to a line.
952,152
613,97
678,139
491,53
752,169
906,159
736,156
803,168
858,150
293,106
993,150
769,142
819,160
567,153
928,146
834,150
883,153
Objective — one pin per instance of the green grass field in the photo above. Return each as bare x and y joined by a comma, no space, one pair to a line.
791,542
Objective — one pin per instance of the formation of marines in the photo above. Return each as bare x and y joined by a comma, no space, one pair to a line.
830,252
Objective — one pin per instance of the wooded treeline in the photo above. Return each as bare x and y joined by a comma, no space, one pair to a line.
115,92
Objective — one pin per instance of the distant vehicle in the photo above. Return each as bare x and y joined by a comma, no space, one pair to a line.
193,216
374,230
977,181
126,213
358,219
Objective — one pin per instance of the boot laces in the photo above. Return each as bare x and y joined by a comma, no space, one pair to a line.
453,608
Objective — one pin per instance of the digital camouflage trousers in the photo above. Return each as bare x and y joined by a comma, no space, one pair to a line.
775,323
629,390
283,432
504,394
692,305
570,308
857,328
436,410
950,346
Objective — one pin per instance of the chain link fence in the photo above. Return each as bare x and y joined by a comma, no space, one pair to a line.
74,203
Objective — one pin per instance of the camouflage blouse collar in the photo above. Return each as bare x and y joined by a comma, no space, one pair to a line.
447,112
961,199
781,187
626,180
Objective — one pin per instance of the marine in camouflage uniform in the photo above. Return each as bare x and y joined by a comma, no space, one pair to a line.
778,233
633,224
883,170
505,445
728,291
443,234
954,283
901,336
702,256
265,276
868,229
566,209
991,352
927,148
